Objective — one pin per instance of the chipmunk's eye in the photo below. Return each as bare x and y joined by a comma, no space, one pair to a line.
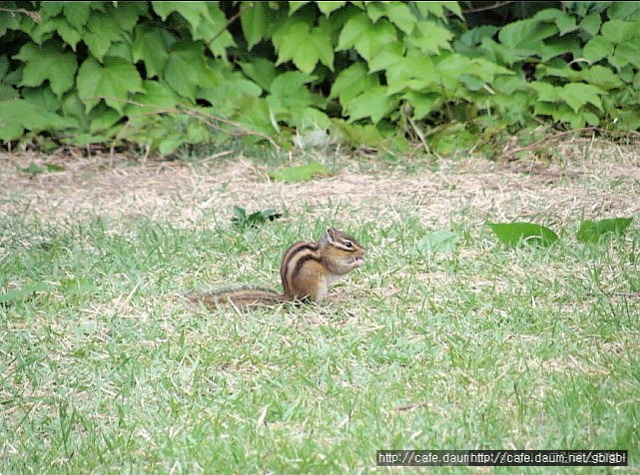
348,244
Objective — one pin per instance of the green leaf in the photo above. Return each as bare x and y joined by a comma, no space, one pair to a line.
303,45
24,292
255,114
193,12
112,82
309,119
82,140
289,92
437,9
128,13
453,68
102,29
328,7
295,6
388,57
186,69
357,135
33,169
289,83
170,143
546,92
255,22
73,107
156,97
626,53
566,23
559,46
453,7
498,53
367,38
438,242
121,49
52,167
9,22
232,86
524,37
591,24
512,234
592,231
150,46
51,9
301,173
241,220
397,12
197,132
76,13
619,31
628,119
239,215
470,40
212,31
102,118
352,82
374,103
623,10
577,95
423,103
450,67
589,117
8,93
68,33
430,38
543,71
452,137
261,71
18,114
205,19
416,71
597,48
42,97
48,62
4,66
563,113
602,77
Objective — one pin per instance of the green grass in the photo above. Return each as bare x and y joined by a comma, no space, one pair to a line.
105,370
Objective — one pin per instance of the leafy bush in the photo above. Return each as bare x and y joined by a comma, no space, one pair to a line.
163,74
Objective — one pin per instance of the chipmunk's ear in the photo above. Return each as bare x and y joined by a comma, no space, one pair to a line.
331,234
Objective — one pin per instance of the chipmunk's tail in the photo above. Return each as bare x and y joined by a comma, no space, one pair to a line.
240,299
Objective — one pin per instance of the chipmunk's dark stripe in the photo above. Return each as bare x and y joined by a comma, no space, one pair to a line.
308,247
301,262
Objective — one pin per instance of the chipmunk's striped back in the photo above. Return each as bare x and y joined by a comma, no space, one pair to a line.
295,259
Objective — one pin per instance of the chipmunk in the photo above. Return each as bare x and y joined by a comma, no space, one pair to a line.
306,271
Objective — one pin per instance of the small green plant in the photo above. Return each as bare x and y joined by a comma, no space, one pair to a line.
441,241
242,220
301,173
593,231
512,234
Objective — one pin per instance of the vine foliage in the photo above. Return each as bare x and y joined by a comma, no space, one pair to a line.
164,74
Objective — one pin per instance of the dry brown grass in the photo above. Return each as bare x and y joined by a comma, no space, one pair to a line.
594,180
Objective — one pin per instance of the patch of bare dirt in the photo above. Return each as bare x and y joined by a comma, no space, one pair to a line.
596,181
